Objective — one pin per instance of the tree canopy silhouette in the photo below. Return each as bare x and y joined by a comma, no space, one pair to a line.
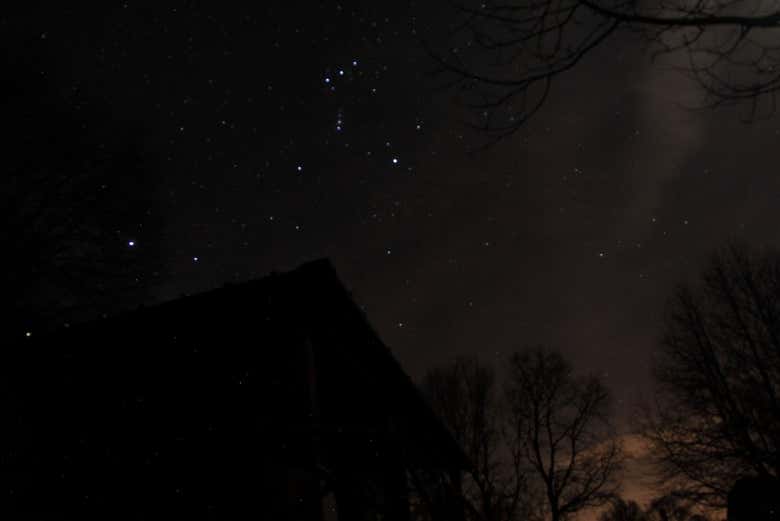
562,422
467,397
668,507
622,510
505,54
540,442
674,507
718,377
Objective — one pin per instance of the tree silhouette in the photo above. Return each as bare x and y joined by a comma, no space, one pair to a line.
562,425
622,510
673,507
668,507
718,376
78,225
466,396
505,54
541,444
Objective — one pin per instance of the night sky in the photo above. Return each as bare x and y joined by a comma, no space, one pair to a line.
285,132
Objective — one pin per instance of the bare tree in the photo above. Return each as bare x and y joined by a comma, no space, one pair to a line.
562,426
466,396
718,377
505,54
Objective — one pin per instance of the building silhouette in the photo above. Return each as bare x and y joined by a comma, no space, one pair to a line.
272,399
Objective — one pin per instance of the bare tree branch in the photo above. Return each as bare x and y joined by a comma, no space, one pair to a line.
564,420
718,375
508,53
466,396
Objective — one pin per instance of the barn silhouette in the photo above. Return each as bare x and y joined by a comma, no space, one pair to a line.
273,398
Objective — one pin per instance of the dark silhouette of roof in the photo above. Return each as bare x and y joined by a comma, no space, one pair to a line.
198,395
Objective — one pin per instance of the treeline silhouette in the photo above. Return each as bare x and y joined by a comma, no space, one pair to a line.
541,443
540,440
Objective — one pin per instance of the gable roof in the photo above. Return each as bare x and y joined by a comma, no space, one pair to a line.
308,303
